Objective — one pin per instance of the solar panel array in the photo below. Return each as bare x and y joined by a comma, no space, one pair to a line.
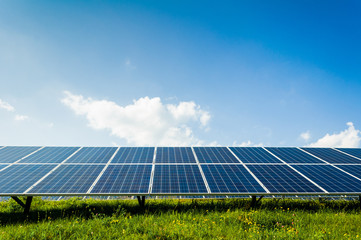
179,171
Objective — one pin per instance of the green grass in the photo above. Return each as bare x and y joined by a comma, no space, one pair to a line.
182,219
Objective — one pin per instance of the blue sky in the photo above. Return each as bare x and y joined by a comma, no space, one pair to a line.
132,73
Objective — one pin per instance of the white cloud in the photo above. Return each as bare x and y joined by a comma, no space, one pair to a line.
305,136
247,144
145,122
6,106
349,137
128,64
20,117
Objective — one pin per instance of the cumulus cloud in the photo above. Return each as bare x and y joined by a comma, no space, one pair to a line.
6,106
247,144
349,137
20,117
305,136
147,121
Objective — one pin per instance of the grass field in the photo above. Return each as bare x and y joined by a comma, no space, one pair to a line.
182,219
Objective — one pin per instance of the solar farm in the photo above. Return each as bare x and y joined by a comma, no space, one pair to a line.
178,171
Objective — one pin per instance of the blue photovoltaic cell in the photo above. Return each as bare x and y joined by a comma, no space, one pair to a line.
331,155
283,179
174,155
134,155
353,169
214,155
293,155
93,155
330,178
254,155
178,179
352,151
124,179
231,178
69,179
50,155
18,178
12,154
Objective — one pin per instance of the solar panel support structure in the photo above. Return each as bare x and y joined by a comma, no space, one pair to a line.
141,200
254,201
25,205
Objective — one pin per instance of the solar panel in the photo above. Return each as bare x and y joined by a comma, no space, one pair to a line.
293,155
50,155
178,179
282,179
352,151
254,155
231,178
13,154
174,155
124,179
69,179
18,178
330,178
214,155
353,169
134,155
93,155
331,155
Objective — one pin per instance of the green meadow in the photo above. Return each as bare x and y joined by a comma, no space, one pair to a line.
182,219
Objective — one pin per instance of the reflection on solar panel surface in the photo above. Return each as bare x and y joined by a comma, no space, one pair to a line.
134,155
93,155
230,179
12,154
174,155
293,155
330,178
178,179
18,178
352,151
282,179
331,155
353,169
69,179
50,155
254,155
124,179
214,155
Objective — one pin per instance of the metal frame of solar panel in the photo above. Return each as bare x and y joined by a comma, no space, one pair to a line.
181,171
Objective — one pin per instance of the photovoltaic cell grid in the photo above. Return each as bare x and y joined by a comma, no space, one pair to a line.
214,155
173,179
18,178
69,179
352,169
282,179
124,179
254,155
331,155
352,151
134,155
178,179
13,154
233,178
50,155
330,178
174,155
93,155
293,155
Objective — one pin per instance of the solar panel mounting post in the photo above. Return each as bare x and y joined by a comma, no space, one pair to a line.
27,204
254,201
141,200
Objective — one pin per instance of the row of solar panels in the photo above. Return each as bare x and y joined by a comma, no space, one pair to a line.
50,173
181,155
